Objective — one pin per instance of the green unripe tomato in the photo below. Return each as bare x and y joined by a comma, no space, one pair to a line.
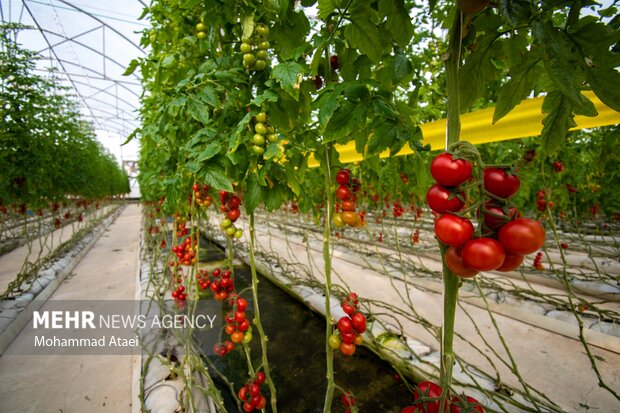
261,54
201,27
260,128
262,30
245,47
247,338
271,129
260,65
201,35
261,117
239,234
334,341
272,137
259,150
264,45
230,231
258,140
225,223
248,59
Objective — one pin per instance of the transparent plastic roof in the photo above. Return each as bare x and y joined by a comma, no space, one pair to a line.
89,43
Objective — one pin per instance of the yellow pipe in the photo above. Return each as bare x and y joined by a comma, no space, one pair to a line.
477,127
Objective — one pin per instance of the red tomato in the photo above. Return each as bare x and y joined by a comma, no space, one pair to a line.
427,390
242,304
449,171
260,377
468,405
501,183
453,230
262,403
233,214
348,206
348,308
234,202
522,236
343,193
454,261
483,254
348,337
343,176
495,216
347,349
345,325
359,322
511,262
438,199
410,409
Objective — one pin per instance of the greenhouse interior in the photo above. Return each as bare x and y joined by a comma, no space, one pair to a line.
309,206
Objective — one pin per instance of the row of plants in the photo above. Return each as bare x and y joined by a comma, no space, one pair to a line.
48,151
239,96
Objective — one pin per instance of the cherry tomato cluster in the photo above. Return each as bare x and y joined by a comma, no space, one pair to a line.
415,236
350,327
186,252
538,262
505,239
397,209
222,349
220,282
181,228
250,394
237,325
558,166
427,399
541,201
264,132
201,195
255,49
201,31
347,187
229,205
179,293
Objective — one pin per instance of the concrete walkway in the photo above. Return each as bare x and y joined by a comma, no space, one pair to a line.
66,384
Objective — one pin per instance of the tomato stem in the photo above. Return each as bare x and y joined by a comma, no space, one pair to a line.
450,281
329,395
259,326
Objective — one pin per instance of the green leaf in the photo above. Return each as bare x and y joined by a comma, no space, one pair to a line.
327,104
292,180
274,197
190,4
274,150
362,33
197,110
559,120
478,68
267,96
560,62
253,193
131,67
383,108
289,76
214,176
515,11
280,6
247,25
398,21
290,35
210,151
168,61
176,105
207,95
401,67
326,7
522,80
